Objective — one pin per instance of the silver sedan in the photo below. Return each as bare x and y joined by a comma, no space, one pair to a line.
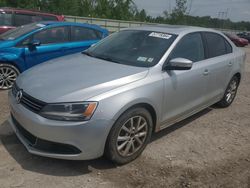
111,98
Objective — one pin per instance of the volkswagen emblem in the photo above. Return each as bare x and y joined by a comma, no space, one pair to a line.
19,96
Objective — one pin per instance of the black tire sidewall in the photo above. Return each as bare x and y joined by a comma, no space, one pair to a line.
111,149
224,102
9,66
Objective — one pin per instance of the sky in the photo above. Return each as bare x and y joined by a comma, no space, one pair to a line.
237,10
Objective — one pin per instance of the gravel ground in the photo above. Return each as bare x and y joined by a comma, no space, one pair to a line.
210,149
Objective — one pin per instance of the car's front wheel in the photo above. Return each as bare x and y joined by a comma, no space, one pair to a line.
8,75
129,136
230,93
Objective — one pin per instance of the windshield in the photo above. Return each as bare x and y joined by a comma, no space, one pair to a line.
19,31
133,47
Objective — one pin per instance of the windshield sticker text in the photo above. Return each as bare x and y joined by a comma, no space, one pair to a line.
160,35
150,60
142,59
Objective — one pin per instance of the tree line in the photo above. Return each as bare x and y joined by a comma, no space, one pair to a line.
124,10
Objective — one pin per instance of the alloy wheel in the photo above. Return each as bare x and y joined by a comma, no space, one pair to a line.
132,136
231,91
7,77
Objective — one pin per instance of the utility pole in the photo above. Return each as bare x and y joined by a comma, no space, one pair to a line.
169,6
226,16
222,15
190,7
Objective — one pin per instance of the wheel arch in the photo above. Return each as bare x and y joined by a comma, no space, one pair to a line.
149,107
14,60
13,64
144,105
238,75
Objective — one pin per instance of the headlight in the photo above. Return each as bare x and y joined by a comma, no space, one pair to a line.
69,111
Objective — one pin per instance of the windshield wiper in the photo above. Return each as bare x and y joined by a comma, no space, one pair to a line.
107,59
88,53
100,57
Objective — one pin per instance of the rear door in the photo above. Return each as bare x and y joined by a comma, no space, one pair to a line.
185,90
54,43
220,61
82,38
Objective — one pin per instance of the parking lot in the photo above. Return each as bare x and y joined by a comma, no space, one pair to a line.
210,149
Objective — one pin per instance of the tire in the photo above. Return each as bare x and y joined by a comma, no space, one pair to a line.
8,75
230,93
129,145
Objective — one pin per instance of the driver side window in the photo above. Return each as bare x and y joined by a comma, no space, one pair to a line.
190,47
50,36
53,35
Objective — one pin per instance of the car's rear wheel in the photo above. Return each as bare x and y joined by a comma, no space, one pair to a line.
8,75
230,93
129,136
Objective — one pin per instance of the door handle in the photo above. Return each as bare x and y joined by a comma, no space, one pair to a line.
206,72
230,64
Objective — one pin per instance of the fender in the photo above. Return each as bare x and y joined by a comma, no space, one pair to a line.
139,101
13,59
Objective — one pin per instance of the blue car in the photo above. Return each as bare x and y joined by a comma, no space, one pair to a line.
26,46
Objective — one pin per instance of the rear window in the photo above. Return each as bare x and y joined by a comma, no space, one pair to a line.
82,34
217,45
229,48
23,19
47,18
5,18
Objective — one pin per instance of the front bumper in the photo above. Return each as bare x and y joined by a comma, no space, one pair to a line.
77,140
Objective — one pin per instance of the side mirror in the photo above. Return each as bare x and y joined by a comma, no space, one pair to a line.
32,45
35,43
179,64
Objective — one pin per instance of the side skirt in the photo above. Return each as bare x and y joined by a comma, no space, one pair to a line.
186,115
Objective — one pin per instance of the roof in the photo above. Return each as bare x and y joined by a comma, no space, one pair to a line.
26,11
47,23
172,29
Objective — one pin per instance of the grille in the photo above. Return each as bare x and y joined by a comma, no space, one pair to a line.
27,101
45,145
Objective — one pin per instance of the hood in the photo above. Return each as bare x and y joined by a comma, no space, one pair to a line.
76,78
243,40
3,29
5,44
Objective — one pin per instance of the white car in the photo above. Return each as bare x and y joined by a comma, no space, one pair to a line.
113,96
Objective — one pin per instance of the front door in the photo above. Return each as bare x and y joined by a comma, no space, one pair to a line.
54,43
185,91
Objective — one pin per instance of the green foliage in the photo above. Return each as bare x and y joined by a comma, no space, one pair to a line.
123,10
179,11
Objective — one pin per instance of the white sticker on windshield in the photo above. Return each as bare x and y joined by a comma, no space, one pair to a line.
40,25
160,35
142,59
150,60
